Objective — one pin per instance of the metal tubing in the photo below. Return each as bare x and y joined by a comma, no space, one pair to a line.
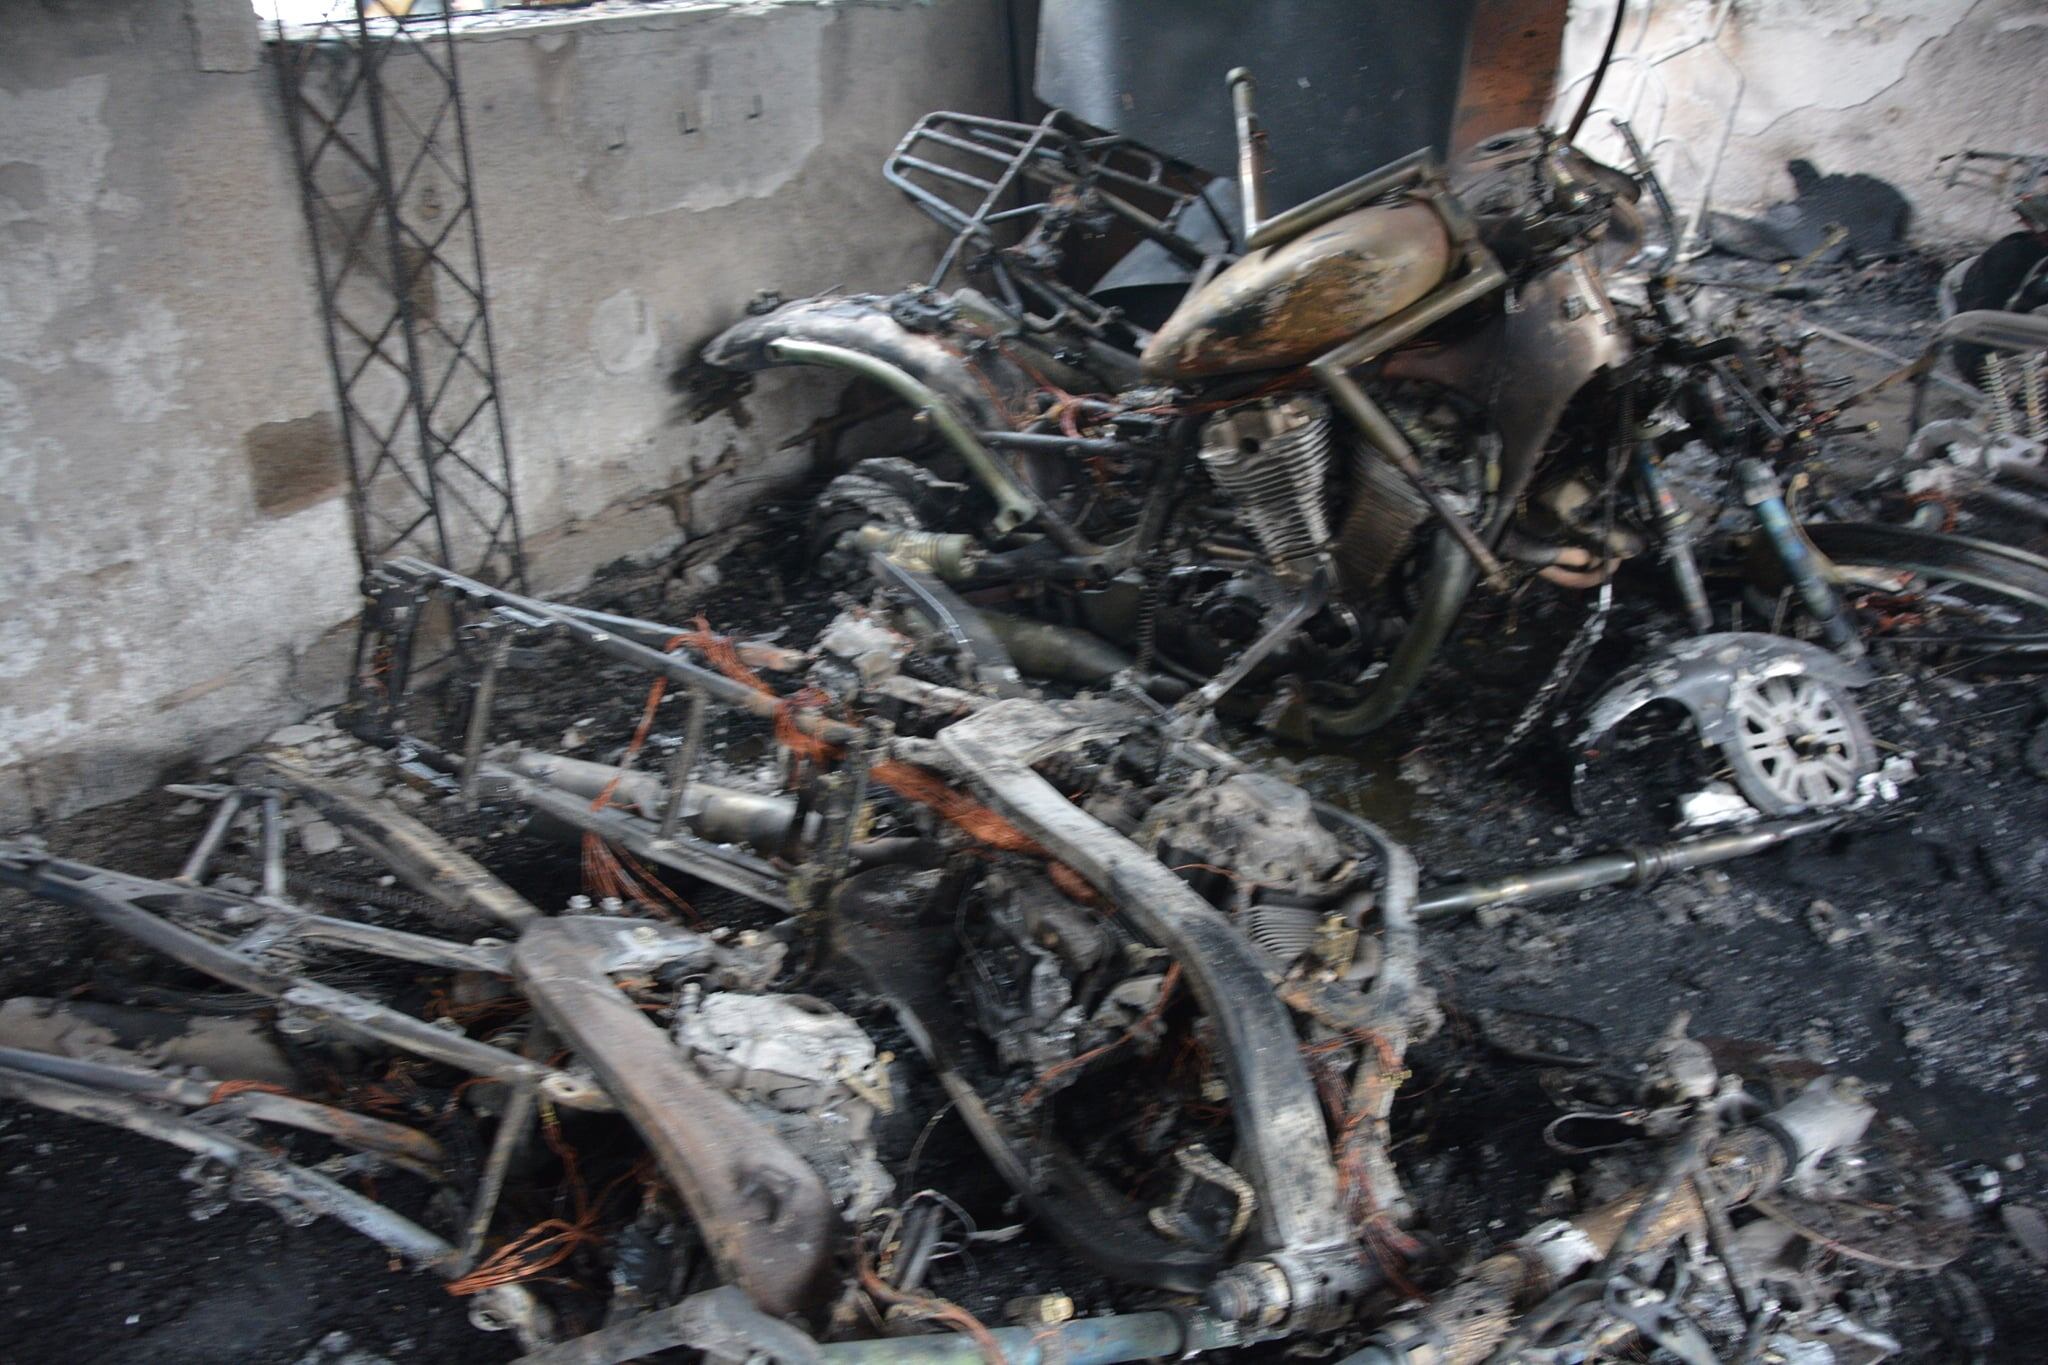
401,945
683,761
1251,153
975,649
481,703
1059,445
1276,630
1014,506
111,897
1485,277
132,1080
1043,649
1625,867
360,1131
721,814
1334,372
2003,569
1918,369
952,556
284,919
1035,135
727,867
354,1130
271,1178
1676,537
933,168
1046,173
224,812
515,1122
920,1238
1647,174
273,846
402,1031
1410,170
256,1167
422,858
1994,327
659,635
713,683
2023,504
1443,593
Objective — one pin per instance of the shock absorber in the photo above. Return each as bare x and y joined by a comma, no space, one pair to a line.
1676,537
1998,388
2035,394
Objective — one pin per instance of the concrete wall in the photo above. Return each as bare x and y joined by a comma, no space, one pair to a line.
618,242
1884,87
176,570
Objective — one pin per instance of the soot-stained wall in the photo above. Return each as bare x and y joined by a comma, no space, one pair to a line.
1884,87
177,574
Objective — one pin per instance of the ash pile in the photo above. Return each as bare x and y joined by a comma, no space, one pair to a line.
971,956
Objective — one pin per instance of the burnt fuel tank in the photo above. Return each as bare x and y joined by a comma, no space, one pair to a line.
1289,303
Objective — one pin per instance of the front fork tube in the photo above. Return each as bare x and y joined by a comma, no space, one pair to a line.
1766,497
1675,537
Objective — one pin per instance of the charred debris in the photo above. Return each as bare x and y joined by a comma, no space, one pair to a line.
966,956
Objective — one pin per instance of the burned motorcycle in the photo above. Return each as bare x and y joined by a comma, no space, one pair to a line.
1351,411
1169,997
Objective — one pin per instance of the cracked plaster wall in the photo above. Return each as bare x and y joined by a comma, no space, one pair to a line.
1885,87
176,570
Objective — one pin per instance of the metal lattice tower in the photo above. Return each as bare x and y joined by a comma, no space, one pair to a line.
374,106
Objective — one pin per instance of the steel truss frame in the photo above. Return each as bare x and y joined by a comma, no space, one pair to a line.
374,109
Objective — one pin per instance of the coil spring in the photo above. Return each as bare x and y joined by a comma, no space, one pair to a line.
1285,931
2000,393
1152,571
2037,401
1272,459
